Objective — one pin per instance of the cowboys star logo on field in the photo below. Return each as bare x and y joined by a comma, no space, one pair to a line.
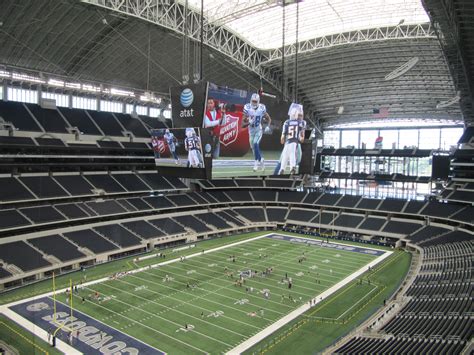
36,307
229,130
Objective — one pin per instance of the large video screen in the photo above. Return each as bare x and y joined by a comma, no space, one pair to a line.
178,147
251,135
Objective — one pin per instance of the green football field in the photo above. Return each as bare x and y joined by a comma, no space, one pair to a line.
233,168
201,294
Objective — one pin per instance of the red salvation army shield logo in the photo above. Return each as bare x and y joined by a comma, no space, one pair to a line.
229,130
161,146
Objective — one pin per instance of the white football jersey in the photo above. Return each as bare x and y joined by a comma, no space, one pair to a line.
255,115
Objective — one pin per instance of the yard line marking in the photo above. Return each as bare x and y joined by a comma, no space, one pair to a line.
299,311
146,326
289,267
211,270
303,247
156,315
202,308
202,296
350,256
255,280
355,304
276,273
257,263
168,320
334,267
329,250
229,288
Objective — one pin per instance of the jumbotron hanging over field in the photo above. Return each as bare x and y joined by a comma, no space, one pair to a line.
242,133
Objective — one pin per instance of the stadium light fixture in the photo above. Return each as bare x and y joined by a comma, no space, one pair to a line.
119,92
13,75
76,86
54,82
4,74
402,69
449,102
149,97
91,88
28,78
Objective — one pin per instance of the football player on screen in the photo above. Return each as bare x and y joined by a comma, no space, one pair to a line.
171,141
302,123
291,136
192,144
254,114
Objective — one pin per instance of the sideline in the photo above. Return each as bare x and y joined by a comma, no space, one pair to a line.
247,344
39,332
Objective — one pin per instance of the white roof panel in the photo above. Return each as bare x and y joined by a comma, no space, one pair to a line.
260,21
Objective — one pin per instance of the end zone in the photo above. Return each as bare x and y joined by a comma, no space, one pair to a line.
89,336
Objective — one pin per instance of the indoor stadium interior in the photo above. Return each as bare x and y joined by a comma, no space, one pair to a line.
236,177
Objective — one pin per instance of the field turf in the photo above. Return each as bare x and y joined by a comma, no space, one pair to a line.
156,305
323,325
22,340
230,166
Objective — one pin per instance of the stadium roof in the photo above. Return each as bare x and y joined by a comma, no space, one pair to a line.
376,59
260,21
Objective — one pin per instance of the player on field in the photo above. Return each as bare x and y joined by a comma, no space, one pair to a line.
192,144
254,115
171,141
291,136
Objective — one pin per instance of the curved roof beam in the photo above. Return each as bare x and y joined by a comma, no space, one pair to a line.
402,31
170,15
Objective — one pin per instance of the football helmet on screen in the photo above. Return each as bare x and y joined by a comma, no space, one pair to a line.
255,100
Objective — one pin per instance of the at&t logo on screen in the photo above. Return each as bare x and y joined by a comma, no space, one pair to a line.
186,98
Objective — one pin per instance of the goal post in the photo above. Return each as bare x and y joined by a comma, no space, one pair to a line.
62,324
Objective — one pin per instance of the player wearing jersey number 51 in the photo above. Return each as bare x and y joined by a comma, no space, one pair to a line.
291,136
192,144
